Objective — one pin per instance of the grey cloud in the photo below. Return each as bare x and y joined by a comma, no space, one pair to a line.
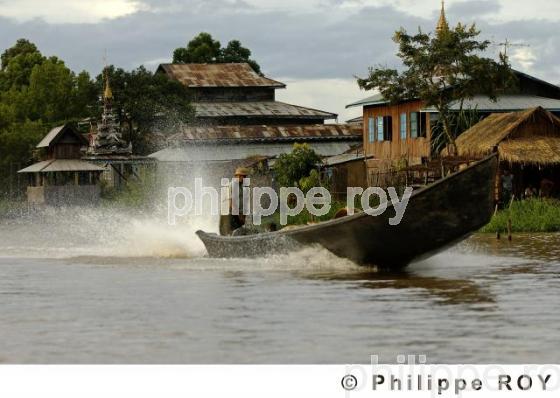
467,10
318,44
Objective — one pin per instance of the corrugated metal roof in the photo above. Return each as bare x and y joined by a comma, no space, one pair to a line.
312,132
378,99
53,135
359,119
505,103
373,100
218,75
220,153
343,158
260,108
482,103
36,167
45,142
49,166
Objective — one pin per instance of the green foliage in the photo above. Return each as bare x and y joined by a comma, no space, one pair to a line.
459,122
36,93
201,49
234,52
311,181
144,100
294,168
18,63
204,49
532,215
441,70
17,143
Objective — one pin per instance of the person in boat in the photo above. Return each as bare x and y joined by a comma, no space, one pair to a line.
229,223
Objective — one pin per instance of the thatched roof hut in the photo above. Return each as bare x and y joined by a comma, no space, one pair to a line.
529,137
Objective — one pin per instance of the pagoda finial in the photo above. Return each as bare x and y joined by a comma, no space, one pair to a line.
442,25
108,93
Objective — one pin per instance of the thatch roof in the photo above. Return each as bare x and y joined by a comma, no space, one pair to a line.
531,136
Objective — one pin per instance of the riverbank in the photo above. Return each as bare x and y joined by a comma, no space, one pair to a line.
534,215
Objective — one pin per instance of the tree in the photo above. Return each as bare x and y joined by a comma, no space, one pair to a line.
36,94
144,102
204,49
440,70
295,168
234,52
17,64
50,91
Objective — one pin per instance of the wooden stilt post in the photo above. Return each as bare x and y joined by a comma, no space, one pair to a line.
498,230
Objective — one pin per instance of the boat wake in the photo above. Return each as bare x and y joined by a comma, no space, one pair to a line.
73,232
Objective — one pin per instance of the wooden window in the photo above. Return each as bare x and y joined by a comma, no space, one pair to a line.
388,128
380,128
403,126
384,128
371,129
414,124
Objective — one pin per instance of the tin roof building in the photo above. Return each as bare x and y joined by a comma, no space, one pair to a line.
237,116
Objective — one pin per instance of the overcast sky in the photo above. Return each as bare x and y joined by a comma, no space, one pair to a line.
315,46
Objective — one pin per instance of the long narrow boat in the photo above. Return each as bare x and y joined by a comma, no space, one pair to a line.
437,216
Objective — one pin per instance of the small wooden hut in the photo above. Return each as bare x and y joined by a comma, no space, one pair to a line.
61,177
528,144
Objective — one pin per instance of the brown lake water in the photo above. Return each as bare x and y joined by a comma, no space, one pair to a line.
104,288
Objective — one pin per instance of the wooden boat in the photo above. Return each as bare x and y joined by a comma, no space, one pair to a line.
437,216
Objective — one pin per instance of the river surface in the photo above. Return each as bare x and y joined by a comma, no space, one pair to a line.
98,287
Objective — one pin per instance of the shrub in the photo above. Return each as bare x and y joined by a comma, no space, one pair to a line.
533,215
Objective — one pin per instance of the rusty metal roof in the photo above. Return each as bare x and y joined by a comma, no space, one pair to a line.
218,75
260,108
312,132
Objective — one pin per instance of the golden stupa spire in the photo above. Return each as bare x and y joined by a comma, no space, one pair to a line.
442,25
107,93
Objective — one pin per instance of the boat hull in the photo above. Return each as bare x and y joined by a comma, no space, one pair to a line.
436,217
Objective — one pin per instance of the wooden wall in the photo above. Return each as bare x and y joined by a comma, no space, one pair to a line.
387,152
228,94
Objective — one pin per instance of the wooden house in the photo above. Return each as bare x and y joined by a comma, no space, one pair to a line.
397,135
61,177
528,144
234,94
238,117
403,132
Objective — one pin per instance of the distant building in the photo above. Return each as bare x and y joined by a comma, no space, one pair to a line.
217,151
234,94
237,118
61,177
345,170
402,133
